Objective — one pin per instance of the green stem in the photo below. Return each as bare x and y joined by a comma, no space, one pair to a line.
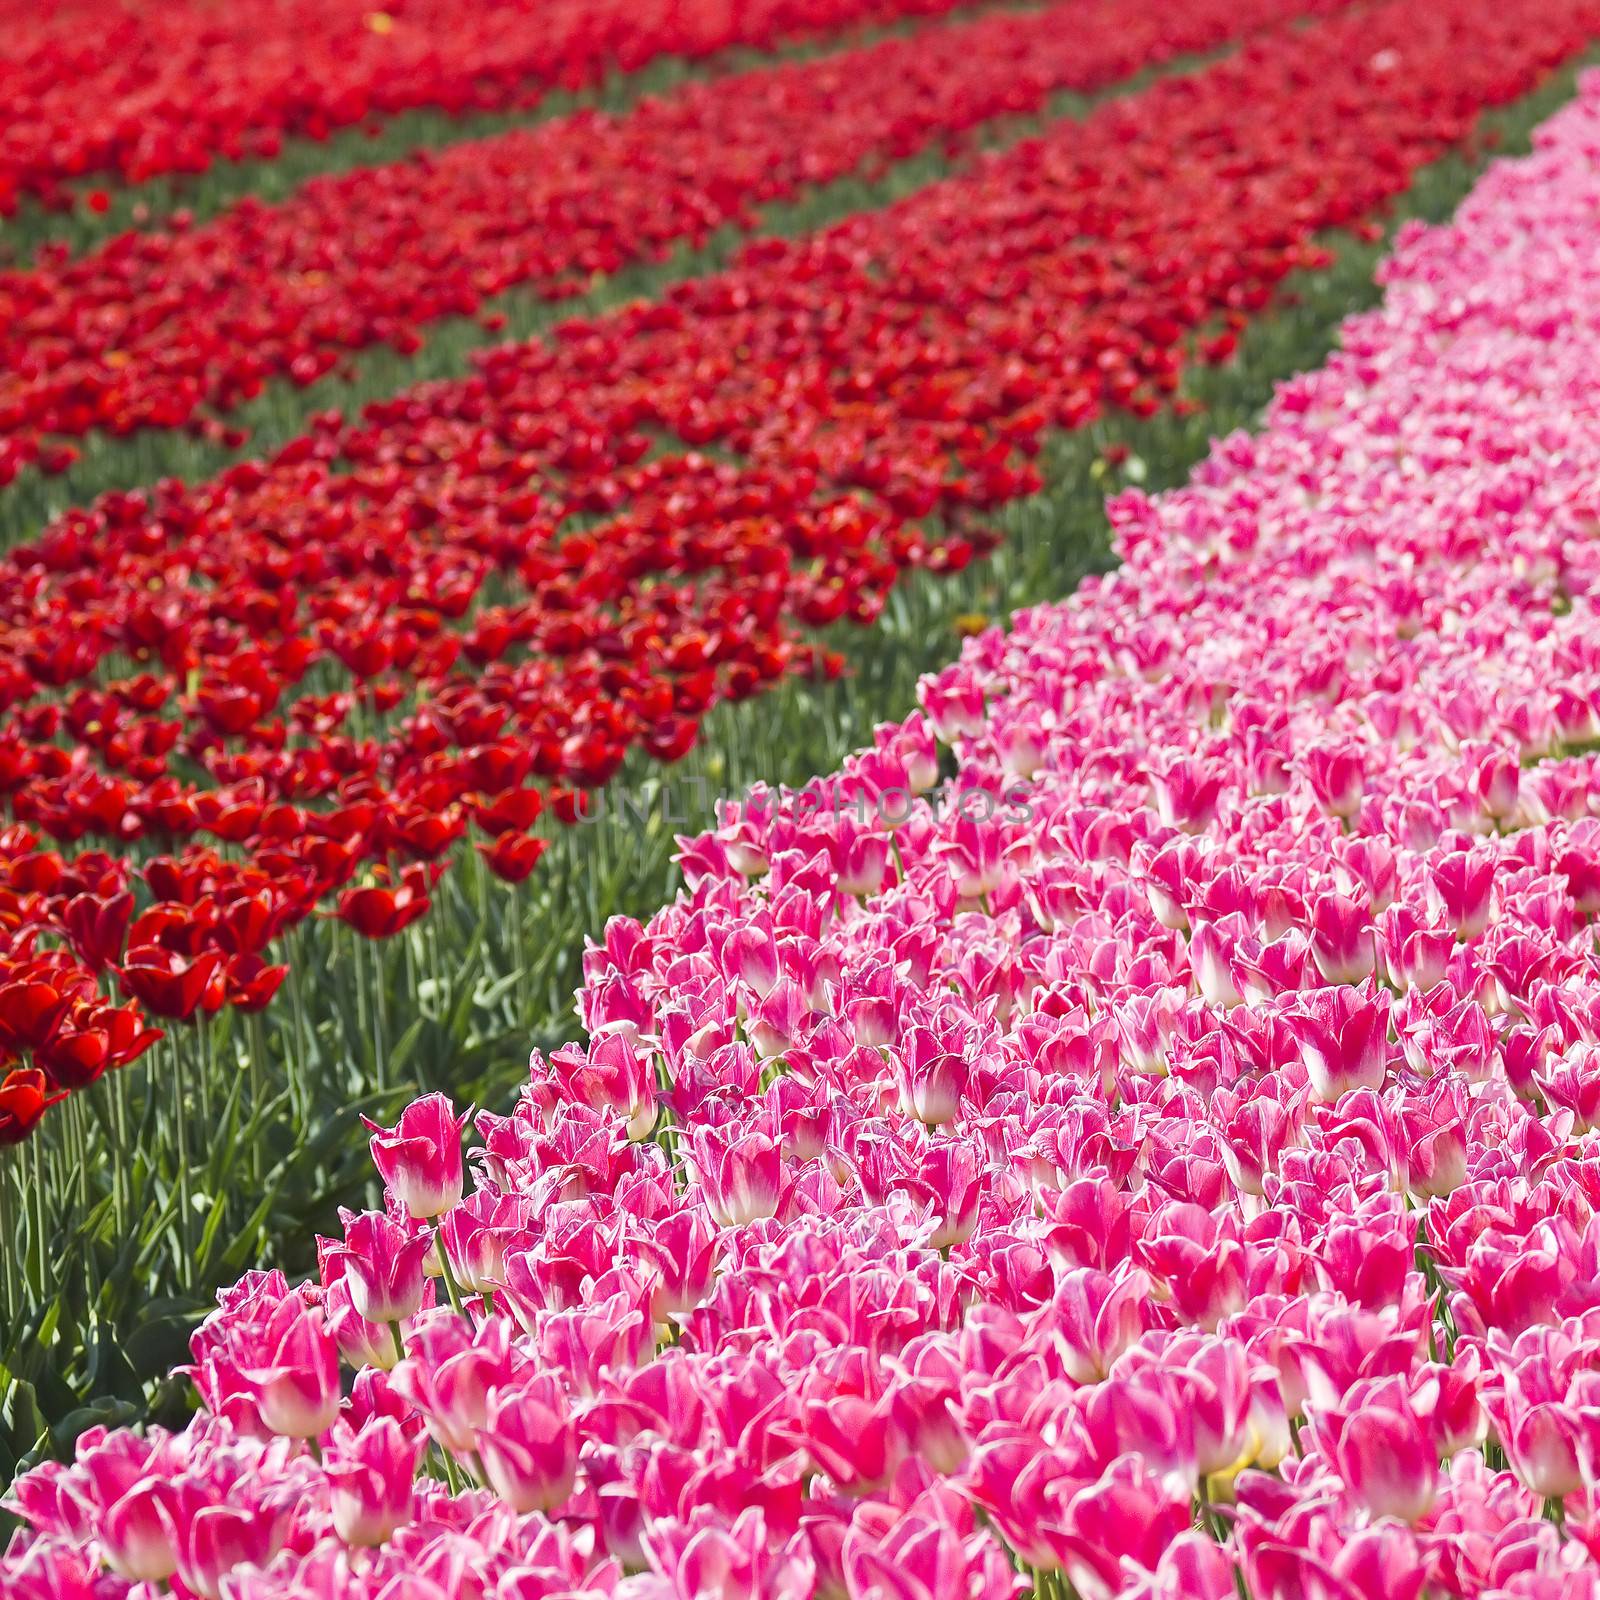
9,1285
256,1044
451,1287
37,1179
180,1115
379,1028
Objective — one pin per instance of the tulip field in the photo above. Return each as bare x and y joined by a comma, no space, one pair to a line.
800,800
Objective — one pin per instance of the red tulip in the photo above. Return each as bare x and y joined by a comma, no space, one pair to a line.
514,811
97,926
25,1096
172,985
513,856
380,913
251,983
30,1013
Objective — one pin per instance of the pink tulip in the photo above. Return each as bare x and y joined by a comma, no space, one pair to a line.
614,1075
292,1366
954,705
476,1234
1343,1035
930,1079
1461,885
133,1509
450,1372
1494,778
750,956
1387,1456
1211,950
1572,1082
1094,1318
1187,793
1412,952
1336,774
683,1249
371,1474
419,1159
529,1446
361,1343
1126,1519
779,1018
931,1552
740,1175
381,1264
1342,943
863,861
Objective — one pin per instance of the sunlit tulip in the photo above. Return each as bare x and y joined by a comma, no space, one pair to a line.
419,1158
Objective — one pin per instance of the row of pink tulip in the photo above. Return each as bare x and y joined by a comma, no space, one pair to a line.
1159,1161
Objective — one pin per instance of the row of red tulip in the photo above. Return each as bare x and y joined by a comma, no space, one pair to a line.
114,87
161,329
1173,1177
901,365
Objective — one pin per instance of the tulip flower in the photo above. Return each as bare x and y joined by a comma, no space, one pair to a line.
475,1236
930,1080
1387,1456
529,1446
381,1265
740,1175
1343,1037
213,1539
171,985
292,1369
683,1249
1462,885
132,1503
1341,939
25,1096
1336,774
371,1473
419,1159
616,1075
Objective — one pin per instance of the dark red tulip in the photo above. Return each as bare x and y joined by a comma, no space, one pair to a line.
251,983
168,984
97,926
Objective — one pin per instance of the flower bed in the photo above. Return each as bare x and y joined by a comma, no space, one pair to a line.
310,677
1159,1157
167,328
140,90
